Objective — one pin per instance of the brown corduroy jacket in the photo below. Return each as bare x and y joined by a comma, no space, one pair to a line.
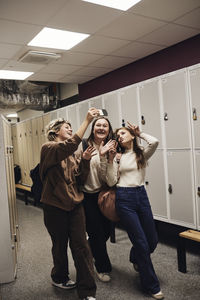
59,169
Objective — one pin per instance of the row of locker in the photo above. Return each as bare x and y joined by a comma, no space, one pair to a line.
167,107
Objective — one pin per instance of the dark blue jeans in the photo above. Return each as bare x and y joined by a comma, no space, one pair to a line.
134,210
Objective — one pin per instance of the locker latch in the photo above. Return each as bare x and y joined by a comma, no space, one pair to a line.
142,120
123,123
170,188
165,117
194,113
198,191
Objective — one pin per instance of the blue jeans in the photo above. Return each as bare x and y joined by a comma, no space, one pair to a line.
134,210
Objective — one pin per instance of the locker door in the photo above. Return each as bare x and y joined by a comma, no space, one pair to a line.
195,99
96,102
176,111
62,113
129,107
82,111
155,185
150,109
35,141
73,117
180,188
46,120
29,145
15,146
197,187
111,104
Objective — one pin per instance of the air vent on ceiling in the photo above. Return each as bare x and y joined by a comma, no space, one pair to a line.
37,57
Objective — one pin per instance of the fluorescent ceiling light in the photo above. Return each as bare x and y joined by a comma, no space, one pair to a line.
57,39
6,74
118,4
14,115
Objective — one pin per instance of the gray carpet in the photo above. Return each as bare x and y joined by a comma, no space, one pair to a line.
35,262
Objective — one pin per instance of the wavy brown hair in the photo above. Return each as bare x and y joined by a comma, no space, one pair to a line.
53,127
140,159
90,139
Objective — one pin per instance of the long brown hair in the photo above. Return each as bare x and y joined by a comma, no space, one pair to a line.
140,160
90,139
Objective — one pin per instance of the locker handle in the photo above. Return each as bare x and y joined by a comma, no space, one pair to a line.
146,182
194,113
123,123
198,191
170,189
143,120
165,117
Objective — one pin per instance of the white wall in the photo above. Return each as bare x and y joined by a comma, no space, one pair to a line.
68,90
29,113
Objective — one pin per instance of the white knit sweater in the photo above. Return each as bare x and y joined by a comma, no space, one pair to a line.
130,175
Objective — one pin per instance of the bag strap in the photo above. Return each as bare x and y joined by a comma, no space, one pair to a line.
84,144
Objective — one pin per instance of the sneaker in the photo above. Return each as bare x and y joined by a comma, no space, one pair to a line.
89,298
105,277
135,266
70,284
158,295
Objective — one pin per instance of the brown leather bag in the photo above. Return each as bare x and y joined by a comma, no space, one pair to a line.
106,202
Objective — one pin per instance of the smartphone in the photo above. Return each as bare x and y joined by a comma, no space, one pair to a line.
103,112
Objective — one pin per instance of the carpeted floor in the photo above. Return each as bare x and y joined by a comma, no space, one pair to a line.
35,262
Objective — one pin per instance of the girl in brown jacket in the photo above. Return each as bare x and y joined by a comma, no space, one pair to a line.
63,211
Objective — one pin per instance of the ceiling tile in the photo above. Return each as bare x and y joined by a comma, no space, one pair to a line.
17,33
191,19
19,66
28,11
60,69
76,58
83,17
169,34
46,77
137,50
100,45
92,71
130,27
3,62
166,10
113,62
76,79
7,50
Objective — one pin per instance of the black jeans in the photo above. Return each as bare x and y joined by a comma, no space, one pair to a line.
98,228
64,226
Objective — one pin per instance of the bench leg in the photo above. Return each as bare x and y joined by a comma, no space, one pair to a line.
181,255
112,232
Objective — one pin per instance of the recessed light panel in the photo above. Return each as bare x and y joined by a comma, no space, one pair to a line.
7,74
57,39
118,4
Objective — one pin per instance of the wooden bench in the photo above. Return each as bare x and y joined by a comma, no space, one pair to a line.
26,189
181,254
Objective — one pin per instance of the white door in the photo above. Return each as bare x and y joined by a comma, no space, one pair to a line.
194,76
150,109
197,185
111,104
176,111
129,106
155,185
181,187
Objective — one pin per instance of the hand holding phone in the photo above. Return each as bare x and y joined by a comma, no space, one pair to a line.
103,112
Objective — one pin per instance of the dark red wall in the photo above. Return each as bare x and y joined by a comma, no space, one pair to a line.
181,55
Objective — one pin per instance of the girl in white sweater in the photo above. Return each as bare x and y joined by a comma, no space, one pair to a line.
133,207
